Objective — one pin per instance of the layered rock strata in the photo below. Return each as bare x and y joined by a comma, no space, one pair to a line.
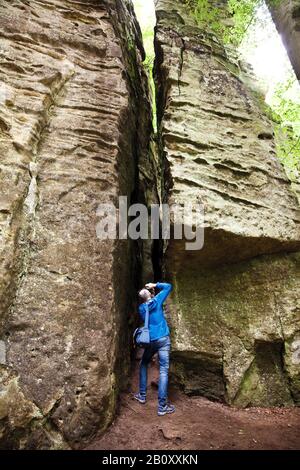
235,307
75,123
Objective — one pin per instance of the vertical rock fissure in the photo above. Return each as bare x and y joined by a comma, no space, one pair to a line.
182,49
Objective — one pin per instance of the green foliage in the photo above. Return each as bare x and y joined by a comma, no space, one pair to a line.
286,112
206,15
231,22
243,13
288,150
147,22
148,64
285,104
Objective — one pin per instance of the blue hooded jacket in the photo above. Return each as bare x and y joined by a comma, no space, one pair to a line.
157,323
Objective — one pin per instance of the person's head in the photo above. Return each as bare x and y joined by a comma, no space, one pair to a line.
145,295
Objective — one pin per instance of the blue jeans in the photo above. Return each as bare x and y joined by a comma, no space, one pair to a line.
161,346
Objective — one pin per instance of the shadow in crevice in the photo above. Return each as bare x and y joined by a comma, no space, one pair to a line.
266,382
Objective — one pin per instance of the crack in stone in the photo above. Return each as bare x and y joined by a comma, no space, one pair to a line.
181,62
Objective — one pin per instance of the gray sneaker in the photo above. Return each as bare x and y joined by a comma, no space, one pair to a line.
139,398
167,409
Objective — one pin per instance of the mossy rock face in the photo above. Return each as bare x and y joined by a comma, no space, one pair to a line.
235,331
265,382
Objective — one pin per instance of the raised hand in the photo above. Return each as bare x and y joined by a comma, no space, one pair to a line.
150,285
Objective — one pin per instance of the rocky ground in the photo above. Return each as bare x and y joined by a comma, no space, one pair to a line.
198,424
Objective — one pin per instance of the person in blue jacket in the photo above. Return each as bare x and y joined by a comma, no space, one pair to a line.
159,343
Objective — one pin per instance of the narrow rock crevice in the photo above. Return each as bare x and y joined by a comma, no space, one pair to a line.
181,63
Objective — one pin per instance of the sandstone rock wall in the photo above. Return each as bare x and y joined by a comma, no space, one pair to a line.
235,306
286,15
75,131
74,125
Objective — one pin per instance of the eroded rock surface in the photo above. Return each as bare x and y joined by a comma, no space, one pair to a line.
235,307
74,122
286,15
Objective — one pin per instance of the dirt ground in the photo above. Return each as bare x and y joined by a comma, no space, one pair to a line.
197,424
